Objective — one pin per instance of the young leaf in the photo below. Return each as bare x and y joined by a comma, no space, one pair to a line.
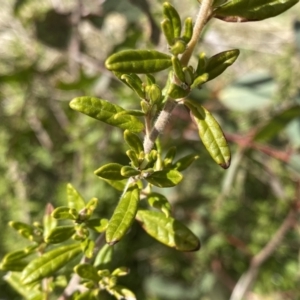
50,262
104,256
160,202
128,171
254,10
165,178
62,212
218,63
168,230
122,293
133,141
105,111
98,225
60,234
171,13
138,61
74,198
19,254
87,271
184,162
87,247
123,215
111,171
210,133
23,229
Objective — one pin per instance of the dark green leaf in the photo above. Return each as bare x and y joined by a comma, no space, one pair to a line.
138,61
168,230
104,256
133,141
105,111
184,162
123,215
252,10
50,262
98,225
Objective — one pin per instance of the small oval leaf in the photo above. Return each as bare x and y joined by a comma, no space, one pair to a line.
105,111
211,134
123,215
254,10
87,271
160,202
50,262
75,200
168,231
60,234
111,171
165,178
138,61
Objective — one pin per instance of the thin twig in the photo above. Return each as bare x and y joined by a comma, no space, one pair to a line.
247,279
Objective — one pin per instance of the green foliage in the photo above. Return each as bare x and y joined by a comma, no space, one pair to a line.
94,238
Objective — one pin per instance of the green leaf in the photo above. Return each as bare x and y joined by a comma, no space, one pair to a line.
117,184
171,14
62,212
160,202
111,171
23,229
133,141
123,215
27,292
19,254
165,178
169,157
105,111
87,247
218,63
122,293
128,171
177,92
98,225
104,256
13,266
87,271
277,123
211,134
50,262
253,10
60,234
184,162
75,200
89,208
138,61
168,231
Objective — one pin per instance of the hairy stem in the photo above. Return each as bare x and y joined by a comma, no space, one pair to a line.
170,104
159,125
204,12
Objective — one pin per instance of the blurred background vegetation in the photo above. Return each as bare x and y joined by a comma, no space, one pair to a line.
52,51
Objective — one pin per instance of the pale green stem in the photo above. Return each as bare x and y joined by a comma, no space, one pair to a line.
204,12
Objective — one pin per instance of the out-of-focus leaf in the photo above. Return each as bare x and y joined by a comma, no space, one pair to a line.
111,171
54,29
120,292
253,10
105,111
75,200
184,162
165,178
98,225
250,92
160,202
123,215
60,234
87,271
62,212
50,262
168,230
211,134
104,256
87,247
277,123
